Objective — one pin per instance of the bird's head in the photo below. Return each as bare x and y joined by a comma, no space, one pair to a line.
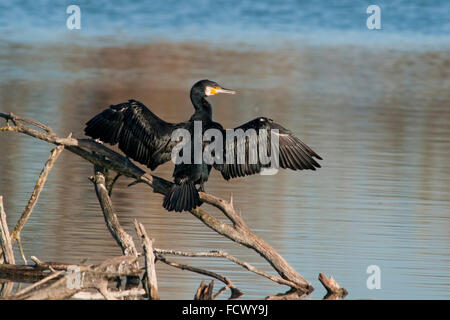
206,88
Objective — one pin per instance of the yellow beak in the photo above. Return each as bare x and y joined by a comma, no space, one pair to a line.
218,90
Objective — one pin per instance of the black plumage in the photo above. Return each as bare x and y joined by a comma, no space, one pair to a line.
146,138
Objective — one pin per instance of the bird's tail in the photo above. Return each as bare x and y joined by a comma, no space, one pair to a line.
182,197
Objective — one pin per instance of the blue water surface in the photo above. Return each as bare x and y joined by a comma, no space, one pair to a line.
258,22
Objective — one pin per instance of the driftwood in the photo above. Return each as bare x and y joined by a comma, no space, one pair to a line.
205,291
22,273
106,160
50,264
124,240
86,277
334,290
6,288
134,293
150,283
5,240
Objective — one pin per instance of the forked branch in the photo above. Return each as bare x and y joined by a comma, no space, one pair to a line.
107,159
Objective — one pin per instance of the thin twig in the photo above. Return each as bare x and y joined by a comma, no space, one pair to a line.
53,265
14,118
15,235
111,184
235,292
22,253
222,290
222,254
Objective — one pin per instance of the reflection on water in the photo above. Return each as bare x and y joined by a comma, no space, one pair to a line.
378,118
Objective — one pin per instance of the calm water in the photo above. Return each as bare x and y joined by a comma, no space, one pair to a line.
374,105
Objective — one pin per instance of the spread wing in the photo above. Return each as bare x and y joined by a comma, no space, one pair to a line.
141,134
293,153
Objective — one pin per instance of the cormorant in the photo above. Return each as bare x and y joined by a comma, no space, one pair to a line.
146,138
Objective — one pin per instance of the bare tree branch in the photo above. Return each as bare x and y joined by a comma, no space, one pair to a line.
48,265
247,238
123,239
235,292
228,256
5,240
105,158
15,119
15,235
151,283
36,192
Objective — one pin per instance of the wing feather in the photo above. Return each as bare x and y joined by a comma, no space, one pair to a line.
141,134
293,153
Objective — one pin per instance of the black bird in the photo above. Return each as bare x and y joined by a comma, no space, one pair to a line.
146,138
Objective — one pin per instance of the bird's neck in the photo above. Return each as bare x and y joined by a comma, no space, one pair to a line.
203,109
